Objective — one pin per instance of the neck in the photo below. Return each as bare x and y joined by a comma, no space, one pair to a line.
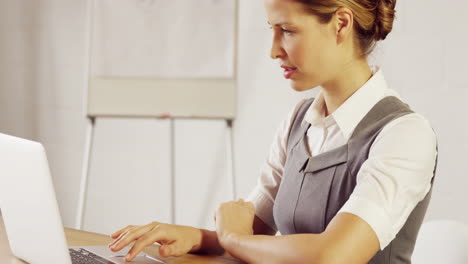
346,83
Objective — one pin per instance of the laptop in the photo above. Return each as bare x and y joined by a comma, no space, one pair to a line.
31,214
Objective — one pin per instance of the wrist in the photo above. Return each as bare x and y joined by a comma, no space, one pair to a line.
206,242
198,239
229,241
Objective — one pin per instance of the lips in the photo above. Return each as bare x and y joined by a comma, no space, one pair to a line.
288,71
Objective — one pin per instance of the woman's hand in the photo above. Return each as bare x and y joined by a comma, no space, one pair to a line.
234,218
175,240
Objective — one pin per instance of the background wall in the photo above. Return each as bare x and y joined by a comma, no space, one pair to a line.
43,83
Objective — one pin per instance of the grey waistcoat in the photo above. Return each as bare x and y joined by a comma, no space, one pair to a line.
313,189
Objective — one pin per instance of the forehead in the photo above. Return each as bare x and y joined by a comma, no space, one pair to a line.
284,11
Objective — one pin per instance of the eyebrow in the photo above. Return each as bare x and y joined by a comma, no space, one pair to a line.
279,24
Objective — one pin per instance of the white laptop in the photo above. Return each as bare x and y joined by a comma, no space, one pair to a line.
30,211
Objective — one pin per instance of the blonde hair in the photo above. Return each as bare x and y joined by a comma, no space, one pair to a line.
373,19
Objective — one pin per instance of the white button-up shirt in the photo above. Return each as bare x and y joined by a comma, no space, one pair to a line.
396,176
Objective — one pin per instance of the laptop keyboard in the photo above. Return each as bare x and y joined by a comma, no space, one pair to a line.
83,256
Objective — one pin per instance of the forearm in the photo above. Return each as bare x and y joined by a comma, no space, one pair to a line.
259,249
347,239
209,243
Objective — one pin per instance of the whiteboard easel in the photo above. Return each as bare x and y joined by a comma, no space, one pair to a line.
109,97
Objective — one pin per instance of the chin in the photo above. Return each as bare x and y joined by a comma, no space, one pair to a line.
300,86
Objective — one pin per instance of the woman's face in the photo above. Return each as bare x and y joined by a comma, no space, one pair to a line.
305,48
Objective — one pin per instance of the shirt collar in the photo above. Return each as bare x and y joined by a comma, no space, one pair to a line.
351,112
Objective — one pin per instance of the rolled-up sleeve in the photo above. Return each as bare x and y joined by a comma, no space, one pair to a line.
395,177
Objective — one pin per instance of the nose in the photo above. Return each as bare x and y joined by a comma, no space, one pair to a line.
277,50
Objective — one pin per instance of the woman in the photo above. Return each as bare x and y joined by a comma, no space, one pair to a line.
349,176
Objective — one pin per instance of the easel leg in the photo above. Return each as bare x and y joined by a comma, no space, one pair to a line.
85,173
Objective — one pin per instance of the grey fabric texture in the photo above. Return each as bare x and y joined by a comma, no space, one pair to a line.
314,189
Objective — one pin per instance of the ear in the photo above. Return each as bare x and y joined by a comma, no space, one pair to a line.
343,23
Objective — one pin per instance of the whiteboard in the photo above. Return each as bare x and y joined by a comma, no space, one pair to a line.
155,57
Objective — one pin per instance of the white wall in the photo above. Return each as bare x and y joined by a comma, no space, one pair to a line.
42,84
41,97
426,60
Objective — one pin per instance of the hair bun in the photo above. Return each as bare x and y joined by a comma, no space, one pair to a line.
384,16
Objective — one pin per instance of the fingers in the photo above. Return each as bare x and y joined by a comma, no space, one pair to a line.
129,236
156,234
240,202
116,234
248,204
165,251
125,231
118,238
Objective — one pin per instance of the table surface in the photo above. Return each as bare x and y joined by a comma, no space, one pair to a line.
83,238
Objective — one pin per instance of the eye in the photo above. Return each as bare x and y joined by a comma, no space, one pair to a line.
287,32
